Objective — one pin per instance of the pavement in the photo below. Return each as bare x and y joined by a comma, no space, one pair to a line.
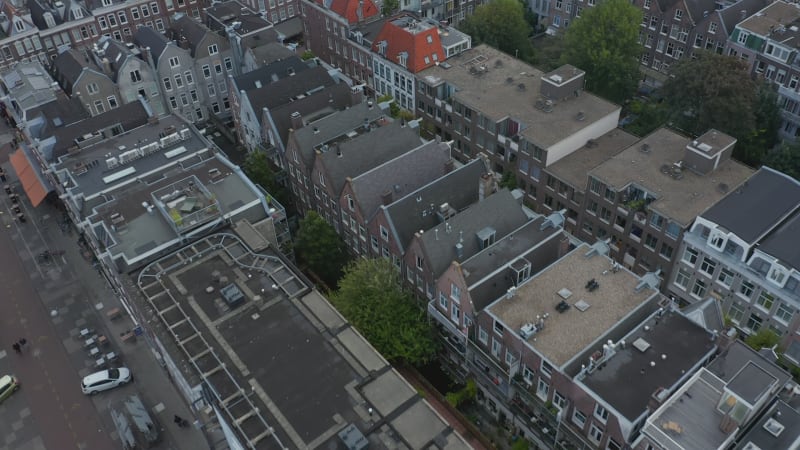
49,304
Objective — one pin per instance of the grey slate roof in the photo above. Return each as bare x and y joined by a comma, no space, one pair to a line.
500,211
731,361
621,382
782,243
401,175
732,15
68,67
289,28
318,104
751,382
707,314
754,208
271,72
788,438
330,127
367,151
192,30
116,52
61,112
697,8
287,89
412,213
148,37
270,52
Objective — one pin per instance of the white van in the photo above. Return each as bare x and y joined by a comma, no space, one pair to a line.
105,380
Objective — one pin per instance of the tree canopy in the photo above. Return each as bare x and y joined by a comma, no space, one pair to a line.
258,168
604,43
501,24
716,91
785,158
320,248
371,299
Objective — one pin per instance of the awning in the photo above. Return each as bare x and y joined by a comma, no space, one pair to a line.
30,176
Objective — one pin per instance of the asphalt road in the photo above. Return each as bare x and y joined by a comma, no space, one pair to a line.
65,418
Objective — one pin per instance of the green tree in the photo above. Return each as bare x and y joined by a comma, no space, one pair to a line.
753,147
508,180
502,25
389,7
320,248
259,169
604,43
764,338
785,158
371,299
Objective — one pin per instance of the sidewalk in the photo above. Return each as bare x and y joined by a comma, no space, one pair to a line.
77,297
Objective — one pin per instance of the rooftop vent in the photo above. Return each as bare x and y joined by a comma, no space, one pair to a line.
581,116
774,427
581,305
641,345
723,188
562,306
565,293
644,148
521,87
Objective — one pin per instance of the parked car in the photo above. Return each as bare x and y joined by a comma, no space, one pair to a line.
8,385
105,380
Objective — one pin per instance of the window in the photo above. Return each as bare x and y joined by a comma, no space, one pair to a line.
384,234
228,64
455,315
145,11
595,185
559,400
651,241
112,101
754,323
212,91
123,19
613,445
678,14
206,71
699,289
218,69
178,80
690,256
712,27
483,336
595,434
542,389
725,277
154,7
600,413
215,108
784,313
765,300
455,292
213,49
496,346
136,76
184,99
98,105
92,88
666,251
746,289
167,83
708,266
546,369
579,418
736,313
442,298
135,13
682,278
742,39
498,327
777,275
174,62
101,20
173,102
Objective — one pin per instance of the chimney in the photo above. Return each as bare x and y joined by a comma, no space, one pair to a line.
727,424
563,246
297,120
386,197
184,43
366,124
356,96
106,66
486,186
360,10
449,165
148,57
743,14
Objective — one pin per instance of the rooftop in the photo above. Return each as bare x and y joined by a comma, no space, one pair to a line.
29,85
574,167
751,382
753,208
501,86
778,428
277,346
648,164
103,164
782,243
777,21
271,72
353,11
410,42
738,355
318,104
567,334
657,355
690,419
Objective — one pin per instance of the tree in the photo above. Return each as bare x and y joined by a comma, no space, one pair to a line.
712,91
371,299
785,158
753,147
389,7
258,168
604,43
502,25
320,248
763,338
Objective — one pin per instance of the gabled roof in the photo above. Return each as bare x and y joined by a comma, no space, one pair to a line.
352,10
366,152
148,37
68,67
737,12
116,52
698,9
782,243
707,314
37,10
332,126
288,89
190,29
274,71
321,103
412,213
757,206
401,175
61,112
500,213
407,37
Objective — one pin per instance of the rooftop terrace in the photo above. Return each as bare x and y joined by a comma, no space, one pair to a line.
649,163
591,314
501,86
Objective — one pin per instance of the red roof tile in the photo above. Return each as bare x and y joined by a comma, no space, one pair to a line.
418,44
349,9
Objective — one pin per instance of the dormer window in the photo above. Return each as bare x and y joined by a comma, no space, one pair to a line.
19,25
77,12
402,58
106,2
717,241
777,274
213,49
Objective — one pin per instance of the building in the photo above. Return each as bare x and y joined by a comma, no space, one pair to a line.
779,427
479,100
181,87
244,28
79,77
740,252
643,199
273,398
274,11
263,55
26,87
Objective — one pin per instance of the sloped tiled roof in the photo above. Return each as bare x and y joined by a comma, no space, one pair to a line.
697,9
269,73
148,37
404,174
407,36
285,90
116,52
349,9
192,30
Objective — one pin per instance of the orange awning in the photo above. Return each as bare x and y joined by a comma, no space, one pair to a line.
30,178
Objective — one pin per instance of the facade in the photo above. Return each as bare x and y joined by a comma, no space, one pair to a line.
245,29
79,77
182,88
739,252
